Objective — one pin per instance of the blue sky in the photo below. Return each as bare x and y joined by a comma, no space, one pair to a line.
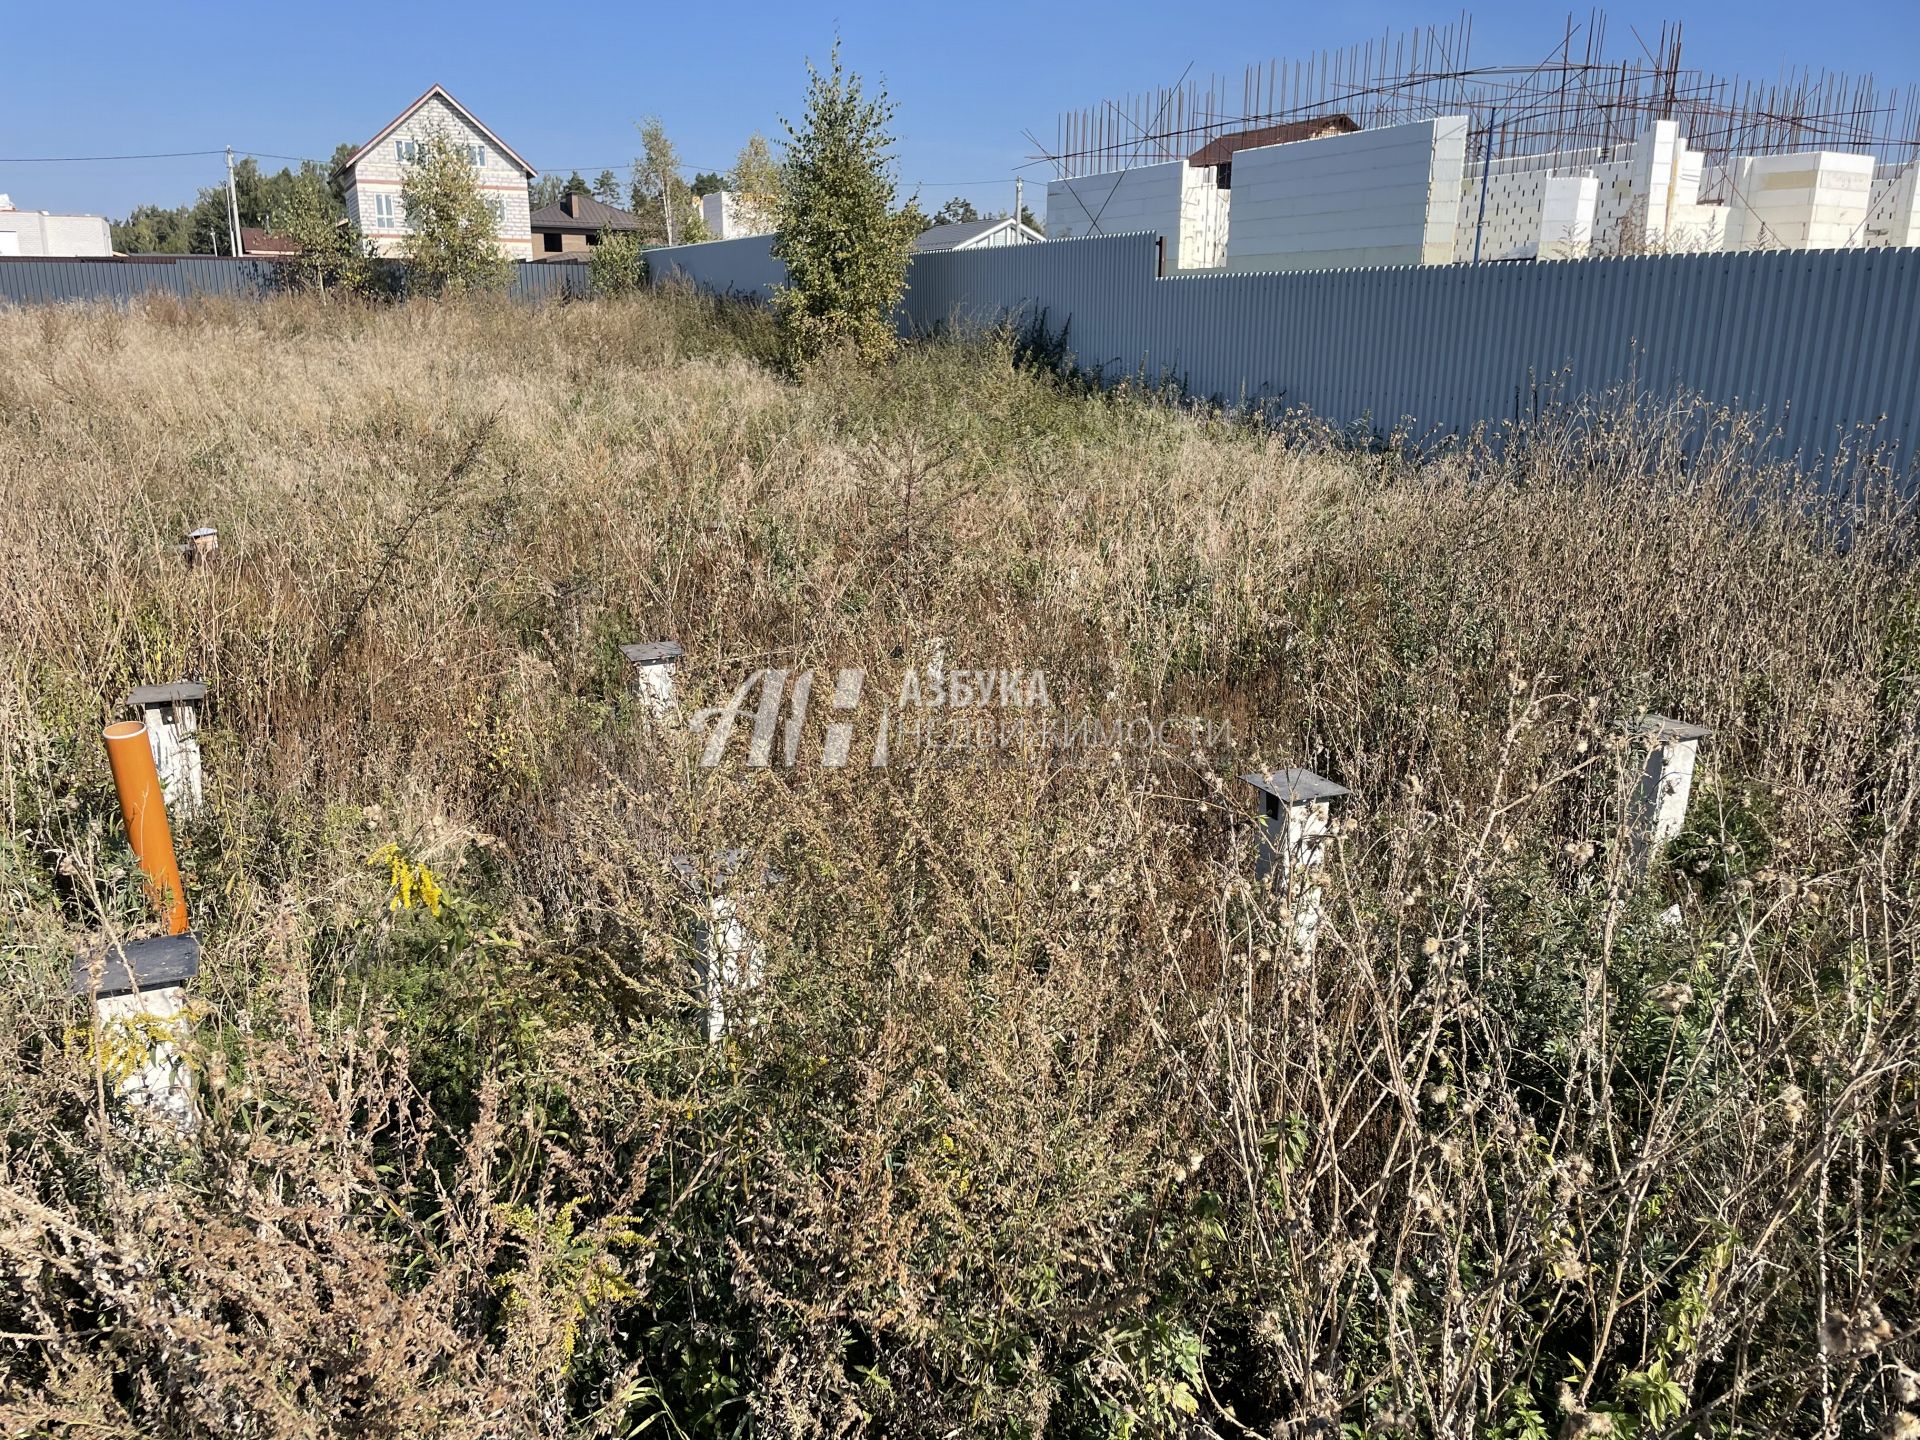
564,83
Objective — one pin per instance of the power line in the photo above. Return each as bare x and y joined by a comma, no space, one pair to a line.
316,160
84,159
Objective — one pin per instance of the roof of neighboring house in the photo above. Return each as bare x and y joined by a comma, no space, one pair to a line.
1219,150
966,233
265,242
472,119
582,215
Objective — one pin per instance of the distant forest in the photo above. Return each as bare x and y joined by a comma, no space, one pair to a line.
201,228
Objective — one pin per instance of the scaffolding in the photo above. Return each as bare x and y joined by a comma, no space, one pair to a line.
1576,98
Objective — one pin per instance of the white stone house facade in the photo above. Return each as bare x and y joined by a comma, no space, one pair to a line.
376,172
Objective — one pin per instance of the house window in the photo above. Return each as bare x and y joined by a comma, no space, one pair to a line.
386,211
550,242
409,151
593,237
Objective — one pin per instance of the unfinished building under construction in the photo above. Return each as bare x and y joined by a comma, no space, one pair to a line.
1405,150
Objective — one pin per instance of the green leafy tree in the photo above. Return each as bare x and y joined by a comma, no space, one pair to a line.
707,182
756,183
333,256
956,211
452,242
205,228
337,176
618,264
844,243
153,230
657,189
606,188
549,189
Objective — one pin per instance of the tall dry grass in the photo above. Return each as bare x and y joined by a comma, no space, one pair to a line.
1043,1122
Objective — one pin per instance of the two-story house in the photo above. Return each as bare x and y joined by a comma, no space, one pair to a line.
376,171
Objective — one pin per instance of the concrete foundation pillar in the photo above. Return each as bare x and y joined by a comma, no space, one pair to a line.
1297,814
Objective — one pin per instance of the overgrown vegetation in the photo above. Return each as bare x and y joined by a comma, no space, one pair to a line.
332,256
452,234
844,242
1042,1123
618,264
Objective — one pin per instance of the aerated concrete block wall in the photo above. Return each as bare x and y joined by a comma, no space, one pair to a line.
1815,200
1893,207
1205,218
1377,197
1566,217
1529,215
728,217
1147,198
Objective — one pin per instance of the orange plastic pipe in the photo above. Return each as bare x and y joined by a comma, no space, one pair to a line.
145,811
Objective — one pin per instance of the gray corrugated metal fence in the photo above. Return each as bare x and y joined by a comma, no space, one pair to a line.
1814,341
54,281
727,267
45,281
552,280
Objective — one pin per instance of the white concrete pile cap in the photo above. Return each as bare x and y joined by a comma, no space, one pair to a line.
722,867
1661,728
1295,787
205,532
180,692
155,964
654,652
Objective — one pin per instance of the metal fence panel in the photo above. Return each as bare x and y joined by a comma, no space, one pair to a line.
52,281
1817,343
744,267
32,280
552,280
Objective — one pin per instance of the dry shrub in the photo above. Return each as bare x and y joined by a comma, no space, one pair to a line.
1041,1121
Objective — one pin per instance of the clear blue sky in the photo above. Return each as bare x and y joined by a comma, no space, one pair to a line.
564,83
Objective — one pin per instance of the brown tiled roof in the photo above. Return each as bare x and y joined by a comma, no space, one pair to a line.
582,215
1219,150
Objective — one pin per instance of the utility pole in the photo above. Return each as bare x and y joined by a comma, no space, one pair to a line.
233,207
1019,209
666,200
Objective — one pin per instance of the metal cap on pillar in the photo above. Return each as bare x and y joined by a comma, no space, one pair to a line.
129,967
171,713
1666,783
1296,805
1294,787
202,546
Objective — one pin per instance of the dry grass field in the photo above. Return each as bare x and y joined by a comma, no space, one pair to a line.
1041,1122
